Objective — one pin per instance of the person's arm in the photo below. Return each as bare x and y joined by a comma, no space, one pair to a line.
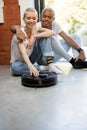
33,70
72,43
43,32
19,33
13,28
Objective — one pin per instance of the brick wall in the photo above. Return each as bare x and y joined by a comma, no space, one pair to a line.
11,16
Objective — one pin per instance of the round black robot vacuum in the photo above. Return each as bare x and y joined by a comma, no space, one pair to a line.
44,79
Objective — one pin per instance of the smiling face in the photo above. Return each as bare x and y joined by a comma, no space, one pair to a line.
47,17
30,18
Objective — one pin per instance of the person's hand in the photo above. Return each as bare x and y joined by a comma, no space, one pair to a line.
20,35
34,71
81,56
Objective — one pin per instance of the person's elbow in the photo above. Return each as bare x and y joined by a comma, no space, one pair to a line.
13,28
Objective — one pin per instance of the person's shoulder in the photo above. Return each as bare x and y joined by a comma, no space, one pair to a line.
22,29
55,23
14,37
56,27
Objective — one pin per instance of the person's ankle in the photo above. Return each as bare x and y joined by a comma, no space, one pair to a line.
55,69
72,61
79,64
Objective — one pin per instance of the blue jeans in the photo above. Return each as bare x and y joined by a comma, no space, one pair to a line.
67,47
51,47
20,67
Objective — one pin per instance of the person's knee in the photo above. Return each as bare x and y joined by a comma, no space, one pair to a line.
53,38
15,69
77,38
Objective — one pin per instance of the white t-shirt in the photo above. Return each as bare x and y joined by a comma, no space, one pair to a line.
55,27
15,52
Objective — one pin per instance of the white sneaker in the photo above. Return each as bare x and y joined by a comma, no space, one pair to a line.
55,69
44,68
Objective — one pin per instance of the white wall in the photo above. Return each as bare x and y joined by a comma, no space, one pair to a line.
1,11
23,5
